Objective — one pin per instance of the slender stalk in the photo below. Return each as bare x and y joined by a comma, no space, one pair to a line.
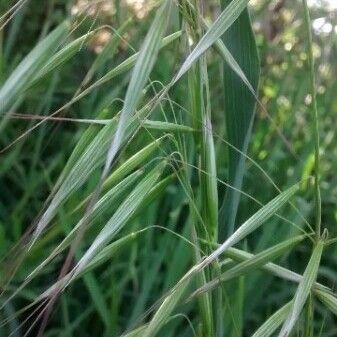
318,206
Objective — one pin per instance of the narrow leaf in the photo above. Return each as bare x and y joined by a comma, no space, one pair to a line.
273,269
62,56
121,216
273,322
113,196
303,290
254,222
217,29
130,62
328,299
24,73
131,163
253,263
145,62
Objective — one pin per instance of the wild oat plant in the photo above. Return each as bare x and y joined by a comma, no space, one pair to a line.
161,169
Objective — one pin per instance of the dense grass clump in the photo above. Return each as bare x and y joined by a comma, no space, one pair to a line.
167,168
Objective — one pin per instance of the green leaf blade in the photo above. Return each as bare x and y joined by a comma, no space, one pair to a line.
239,109
303,290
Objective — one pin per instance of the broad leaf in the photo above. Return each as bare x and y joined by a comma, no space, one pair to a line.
239,110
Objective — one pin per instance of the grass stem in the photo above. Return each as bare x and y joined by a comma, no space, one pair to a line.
318,210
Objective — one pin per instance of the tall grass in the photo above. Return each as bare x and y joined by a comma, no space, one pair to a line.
137,200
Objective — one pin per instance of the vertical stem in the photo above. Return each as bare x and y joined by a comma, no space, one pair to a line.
316,121
2,57
308,318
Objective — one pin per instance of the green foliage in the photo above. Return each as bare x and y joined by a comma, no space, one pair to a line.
166,168
239,109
